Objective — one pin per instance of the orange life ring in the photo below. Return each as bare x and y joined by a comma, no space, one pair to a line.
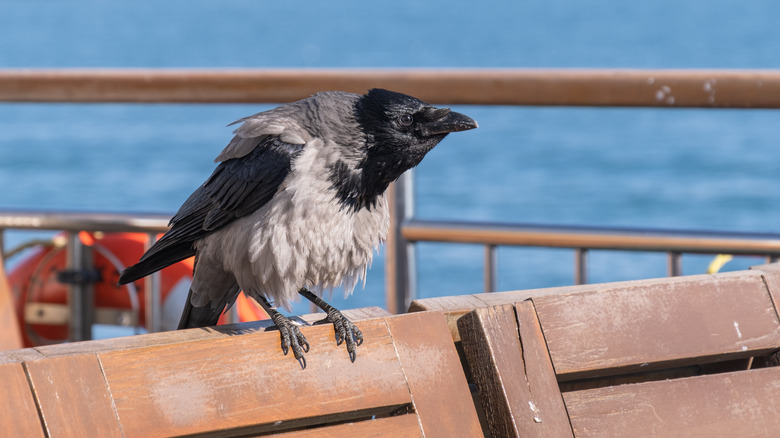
37,287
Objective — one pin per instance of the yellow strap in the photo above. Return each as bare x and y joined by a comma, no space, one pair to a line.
718,262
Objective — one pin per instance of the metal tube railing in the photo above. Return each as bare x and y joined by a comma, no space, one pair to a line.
584,239
543,87
603,238
79,259
409,231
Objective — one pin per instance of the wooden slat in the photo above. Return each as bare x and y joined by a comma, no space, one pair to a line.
19,415
405,426
179,336
744,404
680,321
244,382
73,397
456,306
18,356
771,274
10,336
509,362
572,87
430,363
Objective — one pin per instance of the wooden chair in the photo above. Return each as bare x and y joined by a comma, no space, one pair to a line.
234,381
683,356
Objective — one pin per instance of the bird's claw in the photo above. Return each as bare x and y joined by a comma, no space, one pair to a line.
344,330
292,338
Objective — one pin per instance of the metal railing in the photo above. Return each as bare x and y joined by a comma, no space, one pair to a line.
79,258
602,88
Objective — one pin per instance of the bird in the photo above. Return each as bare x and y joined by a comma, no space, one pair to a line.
297,206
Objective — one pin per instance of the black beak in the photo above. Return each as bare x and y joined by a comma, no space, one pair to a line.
448,121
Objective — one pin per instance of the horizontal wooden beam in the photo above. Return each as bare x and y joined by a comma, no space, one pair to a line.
544,87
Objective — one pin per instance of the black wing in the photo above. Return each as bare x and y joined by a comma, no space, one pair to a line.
237,188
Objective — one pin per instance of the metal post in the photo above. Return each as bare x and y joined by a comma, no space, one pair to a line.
399,253
491,268
674,264
80,290
580,266
152,301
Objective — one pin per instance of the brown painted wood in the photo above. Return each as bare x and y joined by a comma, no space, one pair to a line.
570,87
245,382
515,378
453,307
234,380
397,426
19,415
744,404
179,336
430,363
18,356
679,321
456,306
73,397
771,275
10,336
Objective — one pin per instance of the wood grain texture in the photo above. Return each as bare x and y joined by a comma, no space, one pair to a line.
73,397
19,415
679,321
406,426
771,275
433,371
179,336
516,381
453,307
743,404
245,382
10,336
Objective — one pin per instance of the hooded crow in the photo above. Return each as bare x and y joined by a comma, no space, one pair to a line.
297,206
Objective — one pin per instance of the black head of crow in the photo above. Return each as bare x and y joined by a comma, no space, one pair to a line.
296,206
398,130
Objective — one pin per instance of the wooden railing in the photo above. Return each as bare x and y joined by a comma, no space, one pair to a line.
543,87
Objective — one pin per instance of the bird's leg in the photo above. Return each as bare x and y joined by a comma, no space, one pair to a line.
291,334
344,328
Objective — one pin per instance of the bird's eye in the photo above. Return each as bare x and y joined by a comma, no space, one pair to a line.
405,120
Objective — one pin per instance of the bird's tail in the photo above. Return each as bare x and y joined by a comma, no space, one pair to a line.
153,261
206,316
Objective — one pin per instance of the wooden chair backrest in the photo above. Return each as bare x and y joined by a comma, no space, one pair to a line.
685,356
407,380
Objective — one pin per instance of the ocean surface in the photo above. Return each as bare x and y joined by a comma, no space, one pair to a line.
660,168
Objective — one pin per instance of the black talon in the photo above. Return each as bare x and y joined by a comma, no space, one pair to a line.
291,336
343,328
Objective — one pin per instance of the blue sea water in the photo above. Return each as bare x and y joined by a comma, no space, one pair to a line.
667,168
